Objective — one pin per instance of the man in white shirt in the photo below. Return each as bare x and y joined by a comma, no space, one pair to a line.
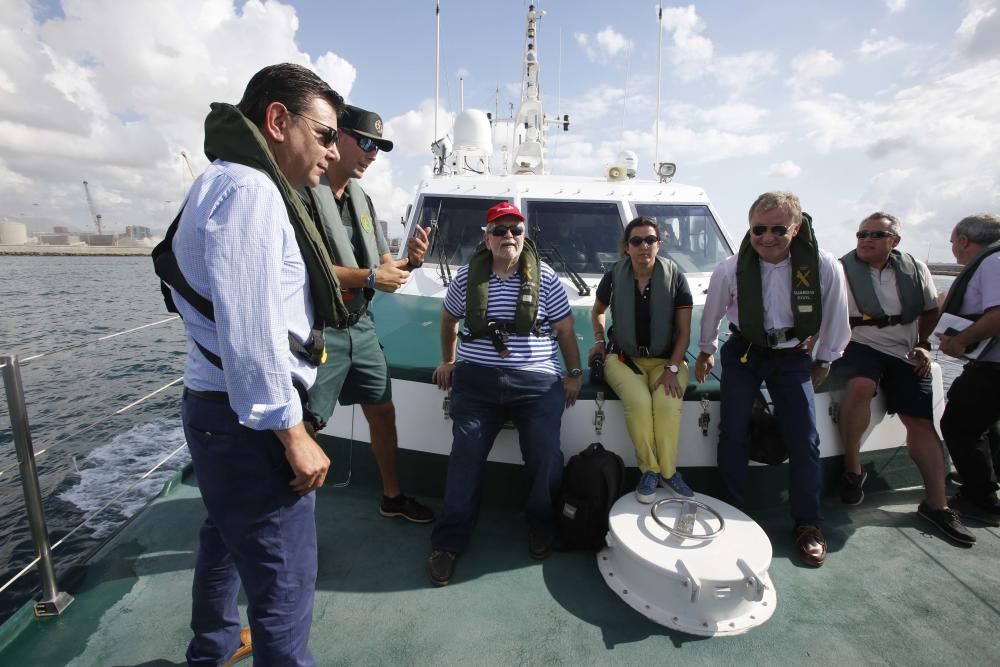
893,308
782,296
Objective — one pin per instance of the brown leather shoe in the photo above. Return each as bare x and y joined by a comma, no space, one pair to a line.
810,545
245,649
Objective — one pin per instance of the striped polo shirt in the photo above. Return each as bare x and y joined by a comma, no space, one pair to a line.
528,353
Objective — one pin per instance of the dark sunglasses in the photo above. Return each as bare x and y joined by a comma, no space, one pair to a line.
864,233
367,144
637,241
328,136
777,230
501,230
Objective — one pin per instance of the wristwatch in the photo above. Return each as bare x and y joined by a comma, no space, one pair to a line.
672,368
575,372
821,363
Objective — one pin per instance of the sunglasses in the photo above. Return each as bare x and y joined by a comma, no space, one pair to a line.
864,233
637,241
777,230
366,144
328,137
501,230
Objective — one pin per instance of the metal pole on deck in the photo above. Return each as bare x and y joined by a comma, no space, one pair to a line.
53,601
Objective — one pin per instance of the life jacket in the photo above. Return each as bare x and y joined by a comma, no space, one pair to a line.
230,136
807,306
956,295
333,223
909,284
477,298
623,308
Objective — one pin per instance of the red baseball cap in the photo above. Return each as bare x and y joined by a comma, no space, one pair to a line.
501,210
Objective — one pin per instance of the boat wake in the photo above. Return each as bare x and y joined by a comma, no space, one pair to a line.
106,470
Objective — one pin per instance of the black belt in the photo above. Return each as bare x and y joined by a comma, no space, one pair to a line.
352,318
214,396
878,322
771,351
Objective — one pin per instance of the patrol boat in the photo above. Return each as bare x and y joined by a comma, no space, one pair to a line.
889,593
576,223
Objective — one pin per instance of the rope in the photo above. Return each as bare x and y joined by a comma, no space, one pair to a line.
67,348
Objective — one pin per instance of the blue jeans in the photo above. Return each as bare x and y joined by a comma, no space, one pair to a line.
258,532
789,383
482,398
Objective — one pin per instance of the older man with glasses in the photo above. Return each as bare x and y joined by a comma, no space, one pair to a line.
893,309
516,313
783,297
356,371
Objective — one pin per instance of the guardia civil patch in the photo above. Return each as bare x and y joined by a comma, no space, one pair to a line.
366,223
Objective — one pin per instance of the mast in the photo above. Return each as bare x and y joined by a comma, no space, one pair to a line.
659,63
529,124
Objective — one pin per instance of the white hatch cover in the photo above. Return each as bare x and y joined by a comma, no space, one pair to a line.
699,566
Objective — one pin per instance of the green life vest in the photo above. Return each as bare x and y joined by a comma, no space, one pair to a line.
333,223
477,294
230,136
956,295
909,284
807,305
623,308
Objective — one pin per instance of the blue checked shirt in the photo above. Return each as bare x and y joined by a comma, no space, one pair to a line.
236,247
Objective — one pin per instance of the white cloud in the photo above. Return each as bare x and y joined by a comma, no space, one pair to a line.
604,46
736,116
979,30
786,169
112,92
413,131
815,64
693,55
873,49
895,6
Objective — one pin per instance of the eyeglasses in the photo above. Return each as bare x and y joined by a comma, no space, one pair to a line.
501,230
367,144
879,234
777,230
637,241
328,136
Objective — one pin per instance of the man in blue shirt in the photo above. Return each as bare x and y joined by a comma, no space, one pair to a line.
249,359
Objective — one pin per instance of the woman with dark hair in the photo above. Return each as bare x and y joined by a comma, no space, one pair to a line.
644,361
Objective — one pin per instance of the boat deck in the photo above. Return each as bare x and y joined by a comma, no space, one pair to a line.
890,593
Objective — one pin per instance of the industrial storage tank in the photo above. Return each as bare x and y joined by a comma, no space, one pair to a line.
13,233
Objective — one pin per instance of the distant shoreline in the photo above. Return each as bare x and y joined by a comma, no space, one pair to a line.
73,251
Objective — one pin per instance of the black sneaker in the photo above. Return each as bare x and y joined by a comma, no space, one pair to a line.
406,507
440,567
947,521
540,545
969,509
850,488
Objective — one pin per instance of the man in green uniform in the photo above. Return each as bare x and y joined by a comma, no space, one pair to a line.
356,372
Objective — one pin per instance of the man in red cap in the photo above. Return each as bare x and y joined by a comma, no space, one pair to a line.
516,313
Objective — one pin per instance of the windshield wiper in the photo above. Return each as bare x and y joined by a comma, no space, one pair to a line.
443,270
582,288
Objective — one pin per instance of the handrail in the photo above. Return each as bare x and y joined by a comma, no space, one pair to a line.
53,601
67,348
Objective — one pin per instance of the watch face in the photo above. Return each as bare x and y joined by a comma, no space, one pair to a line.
671,367
575,372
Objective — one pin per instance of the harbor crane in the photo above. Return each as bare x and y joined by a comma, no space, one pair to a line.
93,210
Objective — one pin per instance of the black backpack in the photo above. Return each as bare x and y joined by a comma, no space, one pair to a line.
592,482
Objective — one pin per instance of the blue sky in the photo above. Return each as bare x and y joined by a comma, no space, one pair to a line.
855,105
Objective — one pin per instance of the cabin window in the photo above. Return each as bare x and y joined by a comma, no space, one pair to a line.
460,222
580,236
689,235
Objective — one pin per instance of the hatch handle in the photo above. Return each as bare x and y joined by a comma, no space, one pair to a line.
691,582
753,587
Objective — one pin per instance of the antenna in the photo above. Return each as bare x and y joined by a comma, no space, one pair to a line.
461,94
659,64
437,65
187,161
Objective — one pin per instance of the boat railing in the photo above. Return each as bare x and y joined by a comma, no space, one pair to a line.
53,601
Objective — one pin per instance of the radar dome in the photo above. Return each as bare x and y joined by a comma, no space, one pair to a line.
472,132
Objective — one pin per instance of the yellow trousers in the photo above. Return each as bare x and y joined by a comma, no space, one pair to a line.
653,417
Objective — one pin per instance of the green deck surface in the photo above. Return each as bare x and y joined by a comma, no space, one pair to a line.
890,593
